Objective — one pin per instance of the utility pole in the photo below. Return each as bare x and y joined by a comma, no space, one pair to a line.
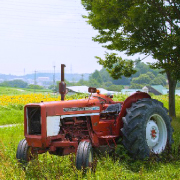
71,73
82,75
54,81
35,80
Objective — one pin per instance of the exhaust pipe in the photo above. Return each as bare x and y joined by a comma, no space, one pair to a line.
62,84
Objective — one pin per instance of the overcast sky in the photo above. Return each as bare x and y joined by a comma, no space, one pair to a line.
36,35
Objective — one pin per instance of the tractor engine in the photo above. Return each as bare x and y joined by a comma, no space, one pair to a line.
75,127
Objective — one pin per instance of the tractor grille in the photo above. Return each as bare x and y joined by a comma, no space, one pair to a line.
34,120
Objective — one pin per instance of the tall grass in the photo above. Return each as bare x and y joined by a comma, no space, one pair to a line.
117,166
50,167
11,115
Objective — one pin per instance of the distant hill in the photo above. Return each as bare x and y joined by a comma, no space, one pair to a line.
68,77
6,77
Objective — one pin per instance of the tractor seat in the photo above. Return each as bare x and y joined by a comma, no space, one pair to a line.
112,109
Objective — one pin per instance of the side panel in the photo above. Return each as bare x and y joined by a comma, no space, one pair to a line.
53,125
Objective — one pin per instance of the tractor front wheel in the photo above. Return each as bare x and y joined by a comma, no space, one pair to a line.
24,152
84,155
147,128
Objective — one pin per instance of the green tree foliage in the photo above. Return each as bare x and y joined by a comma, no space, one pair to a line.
116,66
143,68
137,86
94,83
148,79
105,75
114,87
82,82
96,76
15,83
107,78
142,79
151,75
147,27
160,79
32,86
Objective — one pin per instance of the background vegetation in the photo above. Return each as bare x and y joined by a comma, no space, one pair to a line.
117,166
144,76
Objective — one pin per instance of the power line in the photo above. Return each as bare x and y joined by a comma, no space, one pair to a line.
47,31
40,4
70,39
40,18
3,12
83,45
50,37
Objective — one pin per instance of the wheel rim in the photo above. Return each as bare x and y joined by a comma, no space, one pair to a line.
156,134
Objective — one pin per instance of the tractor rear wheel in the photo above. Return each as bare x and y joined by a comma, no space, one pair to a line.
24,152
147,128
84,155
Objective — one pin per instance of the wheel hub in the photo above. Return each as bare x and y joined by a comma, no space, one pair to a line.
152,134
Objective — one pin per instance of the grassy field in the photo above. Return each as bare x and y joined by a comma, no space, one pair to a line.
20,91
117,166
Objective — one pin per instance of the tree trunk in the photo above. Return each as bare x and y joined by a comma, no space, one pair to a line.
172,87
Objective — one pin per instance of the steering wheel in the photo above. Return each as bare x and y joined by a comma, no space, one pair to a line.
101,98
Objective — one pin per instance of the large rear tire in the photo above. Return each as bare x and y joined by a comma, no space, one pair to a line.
25,153
147,128
84,156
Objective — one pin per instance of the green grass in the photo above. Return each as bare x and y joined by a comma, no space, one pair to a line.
118,166
19,91
11,115
54,167
10,91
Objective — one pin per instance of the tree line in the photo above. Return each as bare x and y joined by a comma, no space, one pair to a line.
144,76
17,83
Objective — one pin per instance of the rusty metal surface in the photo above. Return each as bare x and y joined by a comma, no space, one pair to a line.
62,84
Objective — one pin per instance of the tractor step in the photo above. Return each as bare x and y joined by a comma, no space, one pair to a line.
109,138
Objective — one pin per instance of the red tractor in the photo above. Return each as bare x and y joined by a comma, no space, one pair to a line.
96,122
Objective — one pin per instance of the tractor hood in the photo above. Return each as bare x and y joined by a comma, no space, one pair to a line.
60,108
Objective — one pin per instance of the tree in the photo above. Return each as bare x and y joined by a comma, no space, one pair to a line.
105,75
96,75
32,86
15,83
142,79
113,87
160,79
116,66
94,83
141,68
150,27
151,75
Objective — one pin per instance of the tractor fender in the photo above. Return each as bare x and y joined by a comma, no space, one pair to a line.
127,104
